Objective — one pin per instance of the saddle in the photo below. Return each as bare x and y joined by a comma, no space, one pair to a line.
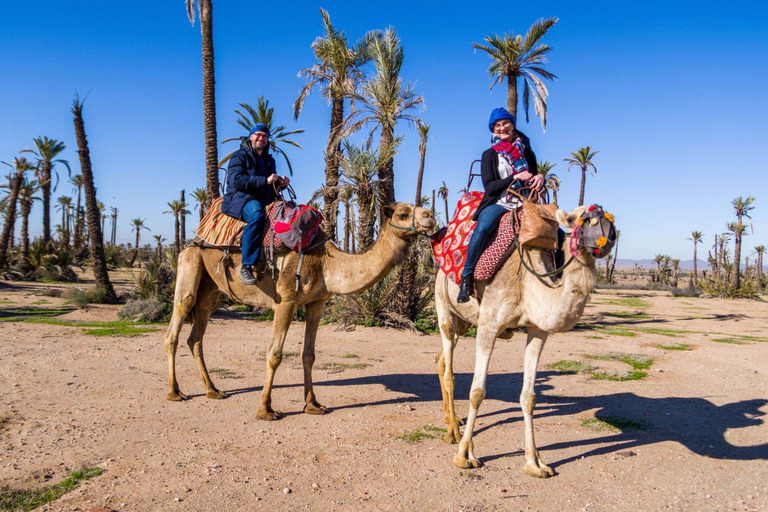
449,245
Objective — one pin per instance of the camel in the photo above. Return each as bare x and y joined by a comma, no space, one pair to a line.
514,298
204,274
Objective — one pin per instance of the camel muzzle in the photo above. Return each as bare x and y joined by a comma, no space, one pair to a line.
596,231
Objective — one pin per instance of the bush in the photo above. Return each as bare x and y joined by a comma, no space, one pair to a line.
81,298
146,310
686,292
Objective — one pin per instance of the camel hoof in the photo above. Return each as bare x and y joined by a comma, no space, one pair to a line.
268,415
216,394
176,396
316,409
458,421
539,471
465,463
452,436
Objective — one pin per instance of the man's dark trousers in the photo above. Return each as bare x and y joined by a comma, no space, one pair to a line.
254,214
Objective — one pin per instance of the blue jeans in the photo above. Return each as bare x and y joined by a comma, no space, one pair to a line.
254,215
487,225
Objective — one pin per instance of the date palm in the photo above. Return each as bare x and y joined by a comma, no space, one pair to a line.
338,72
46,150
65,207
760,251
696,237
385,100
738,229
742,206
77,183
423,138
205,10
515,57
159,240
442,193
27,198
551,180
93,215
20,166
583,160
263,113
114,211
200,196
137,225
102,209
176,207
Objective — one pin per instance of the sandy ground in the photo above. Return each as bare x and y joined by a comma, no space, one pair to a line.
69,399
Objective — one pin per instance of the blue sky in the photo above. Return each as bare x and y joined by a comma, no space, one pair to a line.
673,96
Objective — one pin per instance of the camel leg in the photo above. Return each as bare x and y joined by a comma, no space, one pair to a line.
283,316
314,314
448,323
484,348
190,270
534,466
207,302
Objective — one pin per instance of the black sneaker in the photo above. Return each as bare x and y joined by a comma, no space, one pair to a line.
465,289
246,275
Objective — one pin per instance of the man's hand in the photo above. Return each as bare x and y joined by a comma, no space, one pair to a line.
538,182
524,176
272,178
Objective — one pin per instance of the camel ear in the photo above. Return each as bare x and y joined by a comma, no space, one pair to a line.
389,210
569,220
562,218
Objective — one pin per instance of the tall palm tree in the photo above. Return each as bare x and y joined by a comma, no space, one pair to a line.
385,100
92,210
137,225
114,211
347,198
514,57
200,195
20,166
696,237
442,193
205,10
183,218
738,229
46,150
551,180
160,240
760,250
742,207
583,160
658,259
65,207
338,71
102,209
423,137
27,198
263,113
77,183
175,209
721,240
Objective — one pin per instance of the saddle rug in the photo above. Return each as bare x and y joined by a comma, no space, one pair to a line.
449,245
220,230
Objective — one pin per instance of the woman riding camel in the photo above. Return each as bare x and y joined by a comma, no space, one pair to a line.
510,159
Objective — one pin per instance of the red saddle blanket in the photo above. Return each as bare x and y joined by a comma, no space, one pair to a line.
220,230
449,245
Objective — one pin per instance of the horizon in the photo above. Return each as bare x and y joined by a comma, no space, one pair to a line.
638,88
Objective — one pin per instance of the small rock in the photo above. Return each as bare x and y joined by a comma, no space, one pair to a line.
502,491
177,499
286,491
315,487
625,454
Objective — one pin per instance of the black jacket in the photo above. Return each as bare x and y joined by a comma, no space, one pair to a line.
493,183
247,175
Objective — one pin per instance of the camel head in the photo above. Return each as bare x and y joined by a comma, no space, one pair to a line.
592,230
407,220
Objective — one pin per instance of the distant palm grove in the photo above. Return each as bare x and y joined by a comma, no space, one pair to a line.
362,85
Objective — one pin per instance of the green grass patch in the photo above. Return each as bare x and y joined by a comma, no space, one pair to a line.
630,302
594,337
620,376
570,367
342,366
242,308
471,332
672,333
25,313
351,356
289,354
733,341
674,346
225,374
615,331
634,315
122,331
749,338
613,423
419,434
636,361
38,302
14,499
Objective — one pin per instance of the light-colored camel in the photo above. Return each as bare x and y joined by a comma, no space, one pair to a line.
205,274
513,298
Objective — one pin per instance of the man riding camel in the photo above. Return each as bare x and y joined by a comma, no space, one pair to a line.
250,188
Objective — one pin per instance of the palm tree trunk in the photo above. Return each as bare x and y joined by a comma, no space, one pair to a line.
387,169
447,220
92,209
10,219
583,182
25,211
554,196
737,262
351,230
512,94
137,247
183,220
78,229
433,204
613,263
695,266
45,186
367,219
209,101
332,153
176,232
346,225
420,178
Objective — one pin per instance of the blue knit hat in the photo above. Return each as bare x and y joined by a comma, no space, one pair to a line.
259,127
497,115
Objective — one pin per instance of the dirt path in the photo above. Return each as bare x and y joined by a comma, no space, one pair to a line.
694,431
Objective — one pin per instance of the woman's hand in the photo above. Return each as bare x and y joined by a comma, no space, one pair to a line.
524,176
537,182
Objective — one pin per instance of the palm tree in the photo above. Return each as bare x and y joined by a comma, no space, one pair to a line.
20,166
551,180
760,250
205,10
263,114
615,256
114,211
675,270
696,237
102,210
137,225
742,207
442,193
46,151
738,229
77,182
26,199
721,240
338,71
347,198
94,225
658,259
176,208
183,218
513,57
423,137
160,241
583,160
200,195
65,207
385,100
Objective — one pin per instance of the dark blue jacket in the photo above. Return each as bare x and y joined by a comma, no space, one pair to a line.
247,175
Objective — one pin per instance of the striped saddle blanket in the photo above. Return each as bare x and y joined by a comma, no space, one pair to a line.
220,230
449,245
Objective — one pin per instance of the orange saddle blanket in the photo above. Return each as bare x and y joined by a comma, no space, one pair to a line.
218,229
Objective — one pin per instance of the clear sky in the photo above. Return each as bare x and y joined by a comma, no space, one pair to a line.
672,94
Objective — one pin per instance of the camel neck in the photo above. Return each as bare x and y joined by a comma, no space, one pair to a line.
352,273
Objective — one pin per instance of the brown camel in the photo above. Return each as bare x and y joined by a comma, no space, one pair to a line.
513,298
205,274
